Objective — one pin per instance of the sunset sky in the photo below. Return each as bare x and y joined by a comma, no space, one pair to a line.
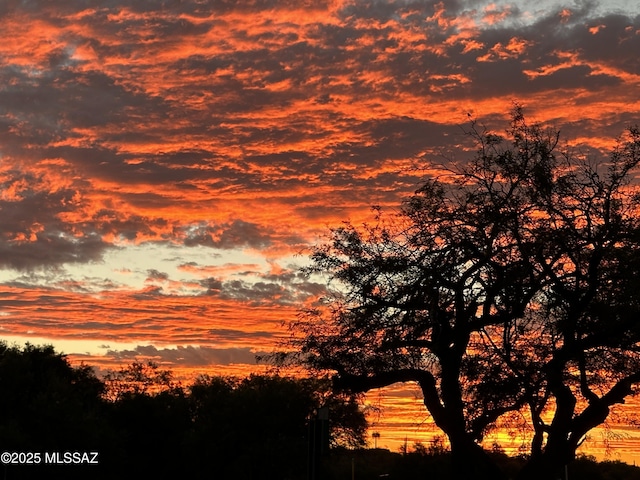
166,165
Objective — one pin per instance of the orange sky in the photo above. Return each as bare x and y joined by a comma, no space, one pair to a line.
165,166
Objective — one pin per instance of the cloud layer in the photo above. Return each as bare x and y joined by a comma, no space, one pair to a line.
161,164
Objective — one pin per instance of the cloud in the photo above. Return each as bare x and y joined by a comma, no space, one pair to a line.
236,234
218,131
201,108
213,285
145,316
222,270
198,106
154,274
189,355
33,232
283,288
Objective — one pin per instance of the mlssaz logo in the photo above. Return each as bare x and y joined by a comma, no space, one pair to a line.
75,458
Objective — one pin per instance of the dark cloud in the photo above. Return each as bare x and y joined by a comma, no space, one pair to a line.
125,225
236,234
285,288
51,250
230,335
33,233
577,77
148,293
213,285
190,355
54,99
154,274
256,293
612,39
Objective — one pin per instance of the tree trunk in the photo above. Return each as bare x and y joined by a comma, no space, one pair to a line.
470,461
550,465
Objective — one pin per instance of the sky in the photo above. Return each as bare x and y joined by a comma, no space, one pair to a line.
166,166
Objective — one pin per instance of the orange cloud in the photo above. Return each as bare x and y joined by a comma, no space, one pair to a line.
494,14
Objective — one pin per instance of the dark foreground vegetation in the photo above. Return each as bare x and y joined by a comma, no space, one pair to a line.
426,464
144,425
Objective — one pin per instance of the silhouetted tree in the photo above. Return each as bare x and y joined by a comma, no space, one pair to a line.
139,378
48,405
151,430
150,416
144,424
257,427
508,284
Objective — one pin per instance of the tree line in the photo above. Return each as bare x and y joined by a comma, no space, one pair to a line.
143,424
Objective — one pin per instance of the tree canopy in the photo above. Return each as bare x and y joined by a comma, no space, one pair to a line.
507,284
142,423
